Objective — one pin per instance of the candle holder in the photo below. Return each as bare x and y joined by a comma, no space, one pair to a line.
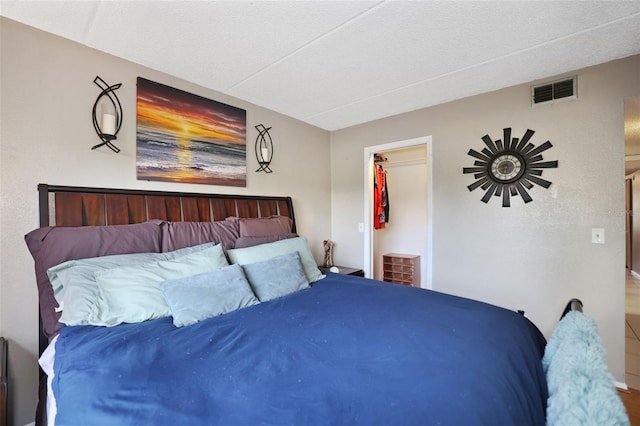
264,148
111,120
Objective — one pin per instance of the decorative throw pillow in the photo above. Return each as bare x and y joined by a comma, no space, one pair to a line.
198,297
52,245
261,252
131,294
277,276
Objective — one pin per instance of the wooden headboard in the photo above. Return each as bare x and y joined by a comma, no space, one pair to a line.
82,206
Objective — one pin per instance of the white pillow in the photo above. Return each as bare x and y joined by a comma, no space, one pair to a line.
266,251
131,294
75,286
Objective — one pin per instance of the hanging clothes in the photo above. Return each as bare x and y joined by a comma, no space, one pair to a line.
380,195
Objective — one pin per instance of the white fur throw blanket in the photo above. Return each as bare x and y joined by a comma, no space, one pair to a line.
581,389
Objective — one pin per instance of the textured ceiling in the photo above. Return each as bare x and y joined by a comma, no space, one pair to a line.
335,64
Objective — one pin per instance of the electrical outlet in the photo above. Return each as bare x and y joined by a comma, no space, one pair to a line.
597,235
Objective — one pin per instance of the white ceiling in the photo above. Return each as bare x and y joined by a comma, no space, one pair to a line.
335,64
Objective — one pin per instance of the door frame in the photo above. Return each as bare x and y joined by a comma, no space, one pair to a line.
369,151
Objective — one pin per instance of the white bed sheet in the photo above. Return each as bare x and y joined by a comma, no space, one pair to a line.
46,363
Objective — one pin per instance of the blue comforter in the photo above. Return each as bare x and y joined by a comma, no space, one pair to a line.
346,351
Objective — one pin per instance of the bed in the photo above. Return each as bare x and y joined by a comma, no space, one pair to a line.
250,331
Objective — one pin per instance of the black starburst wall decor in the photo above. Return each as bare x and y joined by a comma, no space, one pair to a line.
509,167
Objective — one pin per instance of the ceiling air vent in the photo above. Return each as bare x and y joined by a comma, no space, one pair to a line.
549,92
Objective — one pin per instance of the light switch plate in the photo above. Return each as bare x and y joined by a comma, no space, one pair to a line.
597,235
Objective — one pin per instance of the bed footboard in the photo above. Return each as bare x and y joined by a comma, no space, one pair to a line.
573,305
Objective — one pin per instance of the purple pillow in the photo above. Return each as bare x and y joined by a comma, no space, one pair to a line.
244,242
177,235
266,226
52,245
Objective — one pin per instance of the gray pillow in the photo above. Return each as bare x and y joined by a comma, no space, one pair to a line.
264,227
243,242
277,276
177,235
207,295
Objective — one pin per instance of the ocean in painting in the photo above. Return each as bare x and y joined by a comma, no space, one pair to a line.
166,157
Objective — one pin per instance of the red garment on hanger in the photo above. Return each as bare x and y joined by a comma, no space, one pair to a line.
380,199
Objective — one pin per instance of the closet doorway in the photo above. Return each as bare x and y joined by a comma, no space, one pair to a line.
410,190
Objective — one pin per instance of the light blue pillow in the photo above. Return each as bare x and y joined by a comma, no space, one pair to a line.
75,286
132,294
262,252
207,295
277,276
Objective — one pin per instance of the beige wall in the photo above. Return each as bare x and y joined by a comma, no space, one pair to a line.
533,257
47,92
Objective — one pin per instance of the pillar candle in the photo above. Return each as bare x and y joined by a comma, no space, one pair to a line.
108,124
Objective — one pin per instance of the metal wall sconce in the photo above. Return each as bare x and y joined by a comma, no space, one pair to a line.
110,114
264,148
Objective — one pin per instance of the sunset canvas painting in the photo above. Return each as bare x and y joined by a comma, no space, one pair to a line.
182,137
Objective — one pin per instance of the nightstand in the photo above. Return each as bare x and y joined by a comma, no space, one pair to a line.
344,270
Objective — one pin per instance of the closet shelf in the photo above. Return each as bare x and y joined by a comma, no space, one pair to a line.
401,269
